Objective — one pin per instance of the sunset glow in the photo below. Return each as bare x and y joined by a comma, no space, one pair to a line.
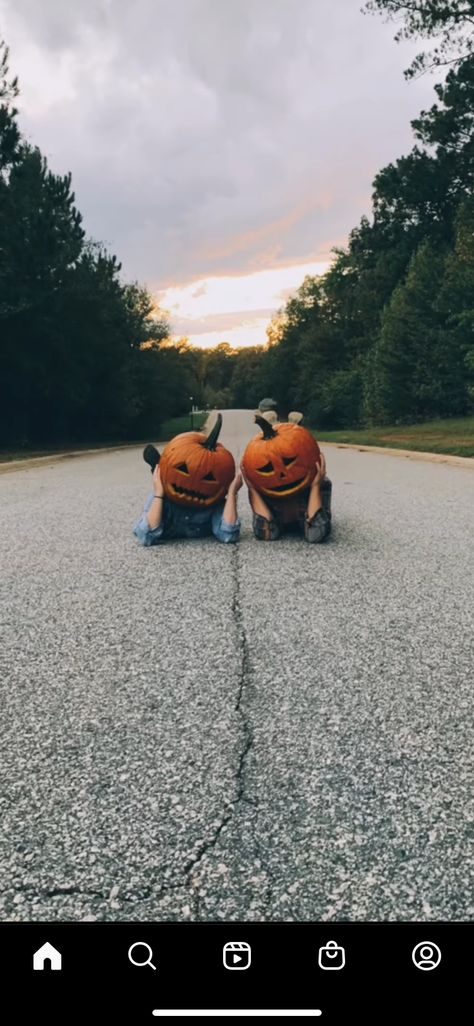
234,309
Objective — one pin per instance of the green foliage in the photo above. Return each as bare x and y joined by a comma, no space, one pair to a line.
449,22
9,133
177,425
72,362
422,359
247,382
456,300
409,368
387,333
341,399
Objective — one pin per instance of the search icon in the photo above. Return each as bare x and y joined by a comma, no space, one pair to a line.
148,959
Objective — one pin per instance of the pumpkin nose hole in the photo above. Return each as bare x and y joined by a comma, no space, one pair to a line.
282,475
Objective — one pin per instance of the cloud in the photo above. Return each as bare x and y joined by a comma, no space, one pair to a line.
208,137
247,332
201,290
220,323
233,308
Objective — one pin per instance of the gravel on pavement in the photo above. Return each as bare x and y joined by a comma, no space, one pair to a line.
260,731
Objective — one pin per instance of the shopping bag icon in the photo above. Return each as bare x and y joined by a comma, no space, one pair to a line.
332,956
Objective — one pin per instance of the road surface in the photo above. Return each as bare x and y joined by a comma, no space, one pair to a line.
262,731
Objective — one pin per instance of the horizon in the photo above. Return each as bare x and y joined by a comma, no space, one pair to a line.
211,305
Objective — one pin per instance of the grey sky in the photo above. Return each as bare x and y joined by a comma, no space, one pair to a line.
213,136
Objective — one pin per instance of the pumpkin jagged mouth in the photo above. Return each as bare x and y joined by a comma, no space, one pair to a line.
189,493
287,487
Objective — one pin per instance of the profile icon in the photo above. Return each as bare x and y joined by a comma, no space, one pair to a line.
426,956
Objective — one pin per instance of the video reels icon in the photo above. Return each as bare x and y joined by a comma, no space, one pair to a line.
237,955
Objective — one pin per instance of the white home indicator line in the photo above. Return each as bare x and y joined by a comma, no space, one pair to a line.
285,1012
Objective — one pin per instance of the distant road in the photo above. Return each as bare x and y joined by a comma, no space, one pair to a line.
265,731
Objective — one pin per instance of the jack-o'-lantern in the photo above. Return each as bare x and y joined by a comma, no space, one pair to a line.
281,462
196,470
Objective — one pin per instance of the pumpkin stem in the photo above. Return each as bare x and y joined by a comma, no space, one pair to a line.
268,431
211,440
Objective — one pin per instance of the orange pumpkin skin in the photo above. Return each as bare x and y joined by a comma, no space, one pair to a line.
283,463
196,470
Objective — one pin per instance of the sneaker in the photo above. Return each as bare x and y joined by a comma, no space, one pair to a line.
151,456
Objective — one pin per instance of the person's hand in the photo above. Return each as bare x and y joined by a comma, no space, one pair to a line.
246,480
320,472
236,484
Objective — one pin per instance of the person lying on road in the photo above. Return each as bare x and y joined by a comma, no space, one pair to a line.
308,513
186,502
267,408
285,472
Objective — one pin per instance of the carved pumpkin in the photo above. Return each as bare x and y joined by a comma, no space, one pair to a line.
196,470
282,460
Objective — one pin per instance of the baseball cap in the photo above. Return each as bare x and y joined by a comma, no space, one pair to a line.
267,404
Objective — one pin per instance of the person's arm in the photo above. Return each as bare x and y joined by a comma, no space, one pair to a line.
155,513
229,514
265,527
225,521
257,503
315,502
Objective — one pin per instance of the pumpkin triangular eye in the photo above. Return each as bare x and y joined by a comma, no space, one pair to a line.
288,460
209,477
267,469
183,468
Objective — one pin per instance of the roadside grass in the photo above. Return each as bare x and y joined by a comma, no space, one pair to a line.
454,437
176,425
167,430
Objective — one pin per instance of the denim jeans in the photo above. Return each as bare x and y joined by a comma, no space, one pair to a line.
181,522
314,531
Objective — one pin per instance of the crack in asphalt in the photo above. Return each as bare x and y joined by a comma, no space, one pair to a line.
240,796
52,892
247,736
272,887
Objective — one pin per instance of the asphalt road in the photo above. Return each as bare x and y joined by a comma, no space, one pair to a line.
261,731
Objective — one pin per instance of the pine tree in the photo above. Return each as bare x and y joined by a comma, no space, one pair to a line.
456,302
449,22
409,371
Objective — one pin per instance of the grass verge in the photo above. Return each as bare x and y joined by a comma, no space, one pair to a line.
176,425
454,437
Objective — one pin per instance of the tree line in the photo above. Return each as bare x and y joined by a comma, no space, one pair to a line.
386,335
83,355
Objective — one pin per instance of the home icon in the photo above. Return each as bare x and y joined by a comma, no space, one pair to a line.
47,958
